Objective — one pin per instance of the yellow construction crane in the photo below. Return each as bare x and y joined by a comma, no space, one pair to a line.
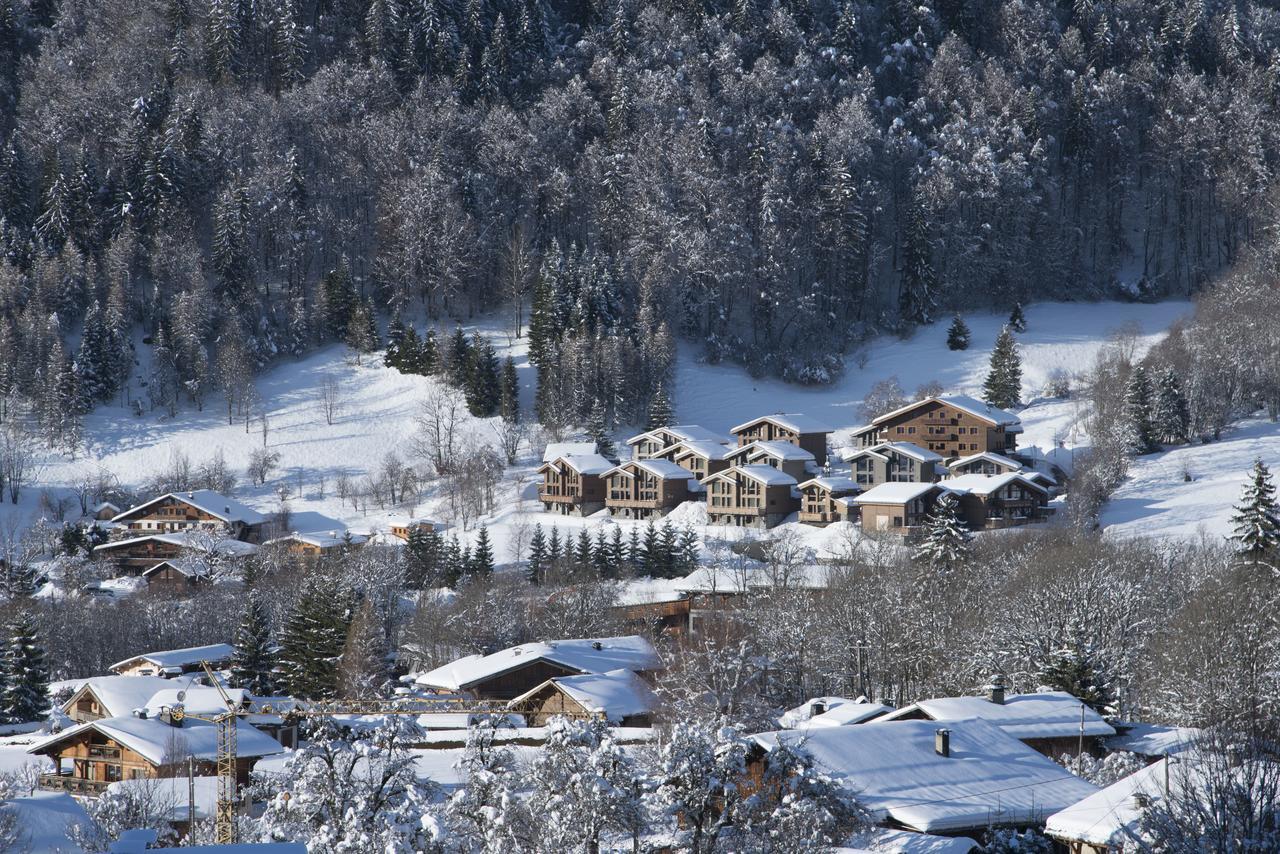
225,816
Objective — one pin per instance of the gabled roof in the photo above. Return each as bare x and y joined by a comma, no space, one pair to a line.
792,421
989,778
156,741
180,657
683,433
556,450
835,483
196,699
886,840
988,456
977,408
586,464
768,475
985,484
661,469
616,694
895,493
630,652
906,449
322,539
1050,714
183,566
118,695
1152,739
777,450
707,450
200,542
208,501
840,711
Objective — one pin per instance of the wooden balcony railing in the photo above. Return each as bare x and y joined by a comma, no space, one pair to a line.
75,785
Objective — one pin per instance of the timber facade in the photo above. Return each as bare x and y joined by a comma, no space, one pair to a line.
748,497
645,489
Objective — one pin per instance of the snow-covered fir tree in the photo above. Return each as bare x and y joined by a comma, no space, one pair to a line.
661,413
1139,434
1003,386
24,674
312,639
958,334
599,432
1170,416
1256,523
481,563
536,567
946,540
364,669
253,666
1077,671
917,291
1017,319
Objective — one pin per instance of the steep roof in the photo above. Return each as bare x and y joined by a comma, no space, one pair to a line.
988,779
791,421
200,542
768,475
840,711
616,694
910,449
556,450
1050,714
963,402
119,695
629,652
322,539
777,450
894,493
589,464
214,503
835,483
985,484
661,469
180,657
196,699
154,740
989,456
683,433
885,840
709,450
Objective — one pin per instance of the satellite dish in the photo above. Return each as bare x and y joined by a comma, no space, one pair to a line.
182,696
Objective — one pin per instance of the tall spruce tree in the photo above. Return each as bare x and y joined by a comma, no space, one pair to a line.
1256,530
424,557
364,667
660,411
393,356
958,334
312,640
24,673
1138,433
918,288
598,432
483,385
428,354
946,540
537,565
509,400
481,564
1003,386
339,300
1170,414
253,666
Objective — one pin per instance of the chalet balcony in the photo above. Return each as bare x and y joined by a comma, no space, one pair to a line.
98,751
639,503
559,498
821,517
74,785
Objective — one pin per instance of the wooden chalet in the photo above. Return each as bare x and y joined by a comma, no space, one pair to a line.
174,662
313,545
701,458
892,462
784,456
819,504
619,697
756,496
900,508
111,696
953,426
646,489
403,530
135,555
105,512
653,442
201,509
988,502
574,485
176,575
801,430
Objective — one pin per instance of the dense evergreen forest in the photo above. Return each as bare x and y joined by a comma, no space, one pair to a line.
771,179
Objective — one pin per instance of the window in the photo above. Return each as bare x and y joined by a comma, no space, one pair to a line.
897,521
910,430
113,773
902,430
973,431
973,446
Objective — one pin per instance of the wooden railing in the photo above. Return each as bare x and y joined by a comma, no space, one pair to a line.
76,785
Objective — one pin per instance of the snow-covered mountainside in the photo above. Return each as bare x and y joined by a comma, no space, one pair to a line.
379,408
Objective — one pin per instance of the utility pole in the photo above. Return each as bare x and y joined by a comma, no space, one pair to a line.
1080,741
191,795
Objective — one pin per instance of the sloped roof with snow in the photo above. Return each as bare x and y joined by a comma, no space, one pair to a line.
214,503
989,456
1152,739
1112,816
835,483
180,657
155,740
322,539
120,695
790,421
840,711
910,449
661,469
616,694
195,541
985,484
768,475
894,493
196,699
684,433
1049,714
777,450
708,450
989,778
556,450
629,652
588,464
965,403
884,840
184,566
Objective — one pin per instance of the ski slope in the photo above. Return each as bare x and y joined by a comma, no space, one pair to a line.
380,407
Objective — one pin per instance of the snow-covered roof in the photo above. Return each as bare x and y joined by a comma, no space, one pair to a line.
556,450
840,711
1049,714
585,655
989,778
835,483
790,421
715,579
910,449
194,540
322,539
1151,739
45,819
777,450
707,450
185,566
196,699
985,484
965,403
768,475
180,657
894,493
206,500
851,454
589,464
120,695
988,456
683,433
616,694
155,740
884,840
661,469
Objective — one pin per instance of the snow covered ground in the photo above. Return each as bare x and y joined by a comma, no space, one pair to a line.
379,408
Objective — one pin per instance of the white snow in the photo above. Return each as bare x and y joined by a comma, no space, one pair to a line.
796,421
840,711
767,475
213,652
775,449
883,840
985,484
120,695
615,694
588,464
1152,739
556,450
154,739
661,469
894,493
208,501
586,655
1049,714
46,819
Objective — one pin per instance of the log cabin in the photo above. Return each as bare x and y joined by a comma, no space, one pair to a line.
808,433
954,426
619,697
756,496
818,499
174,662
135,555
992,502
646,489
200,509
573,485
701,458
315,544
892,462
176,575
783,456
899,508
651,443
111,696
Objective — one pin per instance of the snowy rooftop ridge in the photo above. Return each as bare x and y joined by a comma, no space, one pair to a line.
588,464
321,539
989,456
767,475
584,655
894,493
836,483
196,541
1112,815
206,500
963,402
776,449
683,432
214,652
796,421
985,484
120,695
615,694
1049,714
708,450
556,450
661,469
154,740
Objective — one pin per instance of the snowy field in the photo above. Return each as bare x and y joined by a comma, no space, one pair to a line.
379,409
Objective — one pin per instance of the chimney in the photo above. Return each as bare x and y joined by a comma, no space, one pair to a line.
172,715
817,707
995,691
597,645
1141,800
942,742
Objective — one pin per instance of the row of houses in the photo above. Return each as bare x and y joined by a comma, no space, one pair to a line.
899,466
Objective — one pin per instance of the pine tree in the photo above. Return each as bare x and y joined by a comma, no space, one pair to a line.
394,356
232,253
424,556
481,564
164,385
1003,387
428,354
340,300
253,666
1170,415
660,411
650,563
946,541
598,433
600,557
312,640
617,552
410,352
455,563
224,40
555,551
537,556
958,334
1017,320
364,668
916,293
1139,436
93,362
1075,671
582,552
457,359
509,401
483,386
24,673
1257,518
54,223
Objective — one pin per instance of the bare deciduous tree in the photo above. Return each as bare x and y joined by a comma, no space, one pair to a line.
439,421
330,398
